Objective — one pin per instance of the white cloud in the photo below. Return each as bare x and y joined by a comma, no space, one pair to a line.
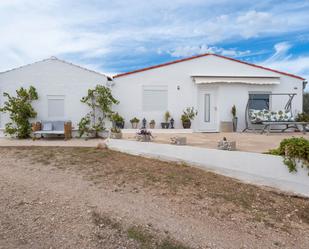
86,30
281,52
284,61
186,51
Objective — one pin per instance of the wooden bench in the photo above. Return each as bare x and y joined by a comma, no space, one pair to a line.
289,124
53,128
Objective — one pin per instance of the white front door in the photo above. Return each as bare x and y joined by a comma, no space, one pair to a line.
207,111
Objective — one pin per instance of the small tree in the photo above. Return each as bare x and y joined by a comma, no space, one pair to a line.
100,100
20,111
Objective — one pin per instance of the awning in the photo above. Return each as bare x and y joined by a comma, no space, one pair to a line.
258,80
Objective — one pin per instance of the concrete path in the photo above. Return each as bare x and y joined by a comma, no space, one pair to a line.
259,169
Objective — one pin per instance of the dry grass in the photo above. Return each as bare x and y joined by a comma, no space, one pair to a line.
186,185
141,236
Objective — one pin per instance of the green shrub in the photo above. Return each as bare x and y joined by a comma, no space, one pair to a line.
100,100
20,111
302,117
293,150
134,120
117,118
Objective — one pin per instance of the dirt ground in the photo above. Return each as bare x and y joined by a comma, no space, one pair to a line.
56,197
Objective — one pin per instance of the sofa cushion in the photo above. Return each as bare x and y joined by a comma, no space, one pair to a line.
258,116
47,127
58,125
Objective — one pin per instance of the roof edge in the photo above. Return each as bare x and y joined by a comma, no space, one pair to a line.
203,55
161,65
57,59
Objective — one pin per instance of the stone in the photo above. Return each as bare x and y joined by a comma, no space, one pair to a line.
226,145
179,140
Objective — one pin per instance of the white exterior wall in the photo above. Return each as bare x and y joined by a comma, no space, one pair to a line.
128,89
52,77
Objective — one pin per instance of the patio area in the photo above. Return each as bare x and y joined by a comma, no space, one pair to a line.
249,142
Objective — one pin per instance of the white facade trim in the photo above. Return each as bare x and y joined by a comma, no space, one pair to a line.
236,80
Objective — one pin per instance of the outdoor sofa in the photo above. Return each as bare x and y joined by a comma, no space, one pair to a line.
269,119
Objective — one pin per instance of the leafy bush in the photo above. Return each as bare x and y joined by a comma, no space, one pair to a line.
100,100
20,111
302,117
134,120
117,118
293,150
188,114
144,132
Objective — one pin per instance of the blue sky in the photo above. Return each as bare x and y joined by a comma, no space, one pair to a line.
119,36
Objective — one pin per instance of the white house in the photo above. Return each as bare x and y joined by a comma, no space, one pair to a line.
60,86
210,83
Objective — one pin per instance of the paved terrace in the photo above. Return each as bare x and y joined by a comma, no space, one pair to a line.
249,142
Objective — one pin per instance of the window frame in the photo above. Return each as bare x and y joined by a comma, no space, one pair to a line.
261,93
55,97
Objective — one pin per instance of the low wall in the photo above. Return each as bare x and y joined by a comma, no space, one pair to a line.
255,168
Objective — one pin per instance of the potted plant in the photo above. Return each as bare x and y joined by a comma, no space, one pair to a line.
234,120
152,124
302,117
134,122
143,135
117,120
188,114
115,133
166,124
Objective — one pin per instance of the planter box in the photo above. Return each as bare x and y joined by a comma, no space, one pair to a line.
143,138
165,125
179,140
115,135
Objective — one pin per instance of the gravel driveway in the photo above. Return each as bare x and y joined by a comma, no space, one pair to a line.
54,197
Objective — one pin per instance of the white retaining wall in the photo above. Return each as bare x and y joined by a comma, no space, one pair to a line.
249,167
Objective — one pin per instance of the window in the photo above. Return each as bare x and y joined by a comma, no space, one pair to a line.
207,108
155,98
55,106
259,101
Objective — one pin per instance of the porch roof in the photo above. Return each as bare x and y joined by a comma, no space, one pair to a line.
257,80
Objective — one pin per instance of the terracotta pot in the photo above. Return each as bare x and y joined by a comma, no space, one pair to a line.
134,125
186,124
